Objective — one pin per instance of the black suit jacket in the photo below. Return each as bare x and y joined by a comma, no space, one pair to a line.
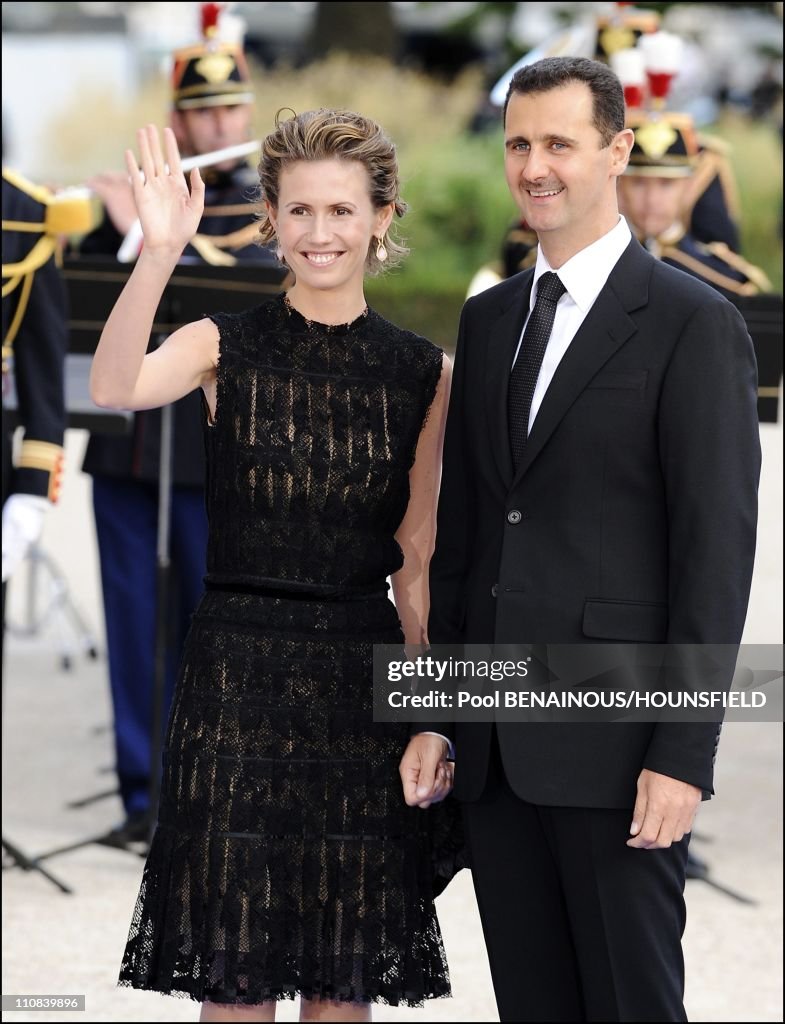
638,504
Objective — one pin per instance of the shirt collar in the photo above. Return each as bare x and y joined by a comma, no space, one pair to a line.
584,274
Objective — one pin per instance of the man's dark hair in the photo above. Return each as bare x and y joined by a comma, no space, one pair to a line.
554,72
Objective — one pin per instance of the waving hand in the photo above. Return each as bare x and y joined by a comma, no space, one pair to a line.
169,214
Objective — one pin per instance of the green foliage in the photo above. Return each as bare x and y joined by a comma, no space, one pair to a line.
432,311
756,158
460,207
413,109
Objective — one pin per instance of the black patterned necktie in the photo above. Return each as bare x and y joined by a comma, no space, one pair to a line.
526,370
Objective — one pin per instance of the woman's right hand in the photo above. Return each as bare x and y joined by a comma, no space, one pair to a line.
168,213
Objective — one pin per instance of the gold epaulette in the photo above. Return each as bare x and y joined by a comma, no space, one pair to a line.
665,240
709,274
755,274
235,210
236,239
37,192
47,457
66,215
210,252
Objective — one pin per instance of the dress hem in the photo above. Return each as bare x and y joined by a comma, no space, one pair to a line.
293,992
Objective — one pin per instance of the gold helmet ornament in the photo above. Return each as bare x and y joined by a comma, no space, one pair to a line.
212,73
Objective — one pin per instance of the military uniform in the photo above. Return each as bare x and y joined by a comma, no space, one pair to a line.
666,145
712,209
715,264
713,206
35,338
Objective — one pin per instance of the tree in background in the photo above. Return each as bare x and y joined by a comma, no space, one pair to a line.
353,28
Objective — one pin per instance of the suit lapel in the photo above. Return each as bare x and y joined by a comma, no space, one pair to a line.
605,329
503,336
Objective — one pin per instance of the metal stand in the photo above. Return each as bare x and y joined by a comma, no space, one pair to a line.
59,609
48,597
116,839
18,858
697,868
163,572
22,861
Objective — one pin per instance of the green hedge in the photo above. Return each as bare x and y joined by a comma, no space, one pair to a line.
433,312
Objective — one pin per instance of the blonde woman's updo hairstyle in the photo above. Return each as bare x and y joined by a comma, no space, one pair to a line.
328,135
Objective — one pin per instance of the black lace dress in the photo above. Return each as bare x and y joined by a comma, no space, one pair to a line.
285,860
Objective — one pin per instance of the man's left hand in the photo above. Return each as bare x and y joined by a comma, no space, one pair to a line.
664,811
425,772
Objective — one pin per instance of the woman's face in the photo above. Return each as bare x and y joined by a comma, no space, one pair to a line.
325,222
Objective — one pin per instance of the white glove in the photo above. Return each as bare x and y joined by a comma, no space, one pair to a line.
23,521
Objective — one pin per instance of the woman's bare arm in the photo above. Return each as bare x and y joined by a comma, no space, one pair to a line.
417,532
122,376
425,774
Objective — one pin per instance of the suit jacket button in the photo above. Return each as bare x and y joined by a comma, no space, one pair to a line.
495,590
514,516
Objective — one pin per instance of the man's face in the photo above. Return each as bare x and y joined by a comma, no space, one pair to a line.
652,205
558,171
205,129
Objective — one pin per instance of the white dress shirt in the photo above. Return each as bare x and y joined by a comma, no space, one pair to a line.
584,276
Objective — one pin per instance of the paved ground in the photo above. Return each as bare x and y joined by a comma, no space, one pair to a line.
57,750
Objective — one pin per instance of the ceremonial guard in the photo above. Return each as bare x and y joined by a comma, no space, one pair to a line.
654,196
212,104
35,339
654,193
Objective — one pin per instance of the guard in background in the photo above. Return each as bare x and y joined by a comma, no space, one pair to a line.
654,195
35,339
711,205
212,106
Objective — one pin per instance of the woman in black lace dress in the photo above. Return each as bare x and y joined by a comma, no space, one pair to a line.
286,860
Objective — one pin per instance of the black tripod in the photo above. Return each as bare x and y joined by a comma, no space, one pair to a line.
81,413
17,856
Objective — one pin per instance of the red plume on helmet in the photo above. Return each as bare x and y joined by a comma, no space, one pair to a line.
666,144
210,73
210,15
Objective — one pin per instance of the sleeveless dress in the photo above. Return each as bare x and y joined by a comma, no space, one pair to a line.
285,860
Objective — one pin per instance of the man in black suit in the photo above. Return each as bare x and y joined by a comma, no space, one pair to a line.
599,484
